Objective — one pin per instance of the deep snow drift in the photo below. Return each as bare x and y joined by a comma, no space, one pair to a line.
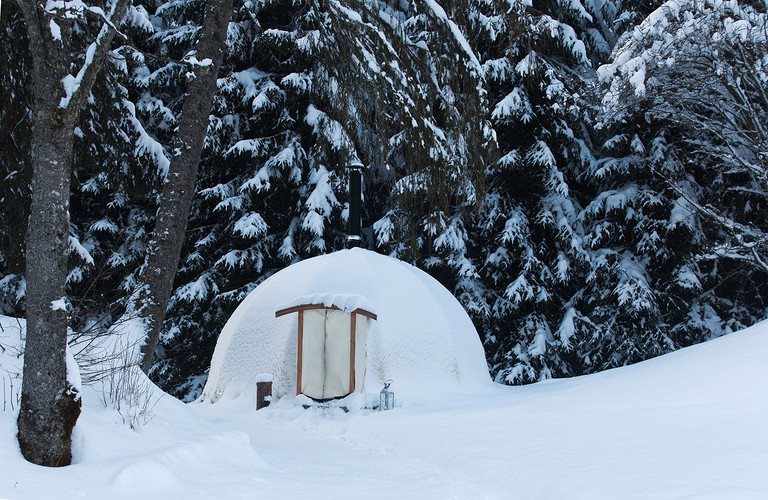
692,424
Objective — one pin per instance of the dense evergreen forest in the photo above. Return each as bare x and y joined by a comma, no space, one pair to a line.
588,177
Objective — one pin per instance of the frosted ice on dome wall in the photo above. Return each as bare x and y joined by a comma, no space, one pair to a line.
423,338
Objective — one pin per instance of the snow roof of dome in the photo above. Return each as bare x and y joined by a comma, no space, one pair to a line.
422,339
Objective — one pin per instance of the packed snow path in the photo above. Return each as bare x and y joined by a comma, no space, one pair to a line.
692,424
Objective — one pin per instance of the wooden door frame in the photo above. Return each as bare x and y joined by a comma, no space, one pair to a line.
352,337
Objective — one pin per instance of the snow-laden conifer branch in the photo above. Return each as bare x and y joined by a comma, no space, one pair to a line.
439,13
698,68
748,243
78,87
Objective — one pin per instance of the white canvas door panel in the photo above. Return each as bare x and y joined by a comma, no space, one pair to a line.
337,337
313,357
324,356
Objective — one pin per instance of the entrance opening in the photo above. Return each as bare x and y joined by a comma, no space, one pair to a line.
331,350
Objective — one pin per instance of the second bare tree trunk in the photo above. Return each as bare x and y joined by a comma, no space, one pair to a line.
167,239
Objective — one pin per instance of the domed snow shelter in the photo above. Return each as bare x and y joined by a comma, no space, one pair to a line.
421,337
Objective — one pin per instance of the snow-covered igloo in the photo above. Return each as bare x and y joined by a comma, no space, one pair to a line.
421,337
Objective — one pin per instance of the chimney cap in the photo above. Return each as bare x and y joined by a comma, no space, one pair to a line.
355,165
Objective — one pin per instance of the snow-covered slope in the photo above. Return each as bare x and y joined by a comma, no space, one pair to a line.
692,424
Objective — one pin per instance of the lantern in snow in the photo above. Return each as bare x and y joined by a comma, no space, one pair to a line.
386,397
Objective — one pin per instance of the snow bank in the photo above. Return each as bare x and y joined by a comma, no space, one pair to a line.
423,338
690,424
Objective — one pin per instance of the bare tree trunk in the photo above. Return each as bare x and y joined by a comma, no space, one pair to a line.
50,405
168,236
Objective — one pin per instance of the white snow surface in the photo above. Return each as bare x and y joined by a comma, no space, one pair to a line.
688,425
422,339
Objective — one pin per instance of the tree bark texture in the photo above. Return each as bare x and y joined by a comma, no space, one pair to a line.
50,406
176,199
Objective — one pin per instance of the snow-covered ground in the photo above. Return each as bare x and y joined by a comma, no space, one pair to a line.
692,424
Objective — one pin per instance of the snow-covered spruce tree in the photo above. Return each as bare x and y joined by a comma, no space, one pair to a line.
425,131
634,246
15,168
712,83
534,257
68,48
391,85
676,217
408,90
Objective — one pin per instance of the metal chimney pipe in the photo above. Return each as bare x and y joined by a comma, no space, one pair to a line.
354,236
